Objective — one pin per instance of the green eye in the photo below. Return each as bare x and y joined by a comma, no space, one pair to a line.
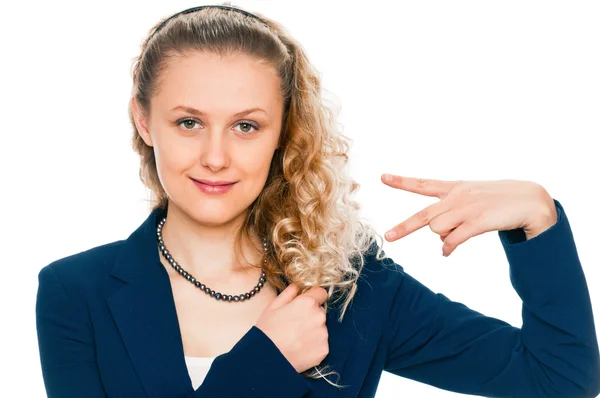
247,125
187,123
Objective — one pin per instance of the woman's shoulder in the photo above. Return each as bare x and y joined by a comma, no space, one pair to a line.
93,264
379,288
380,269
380,278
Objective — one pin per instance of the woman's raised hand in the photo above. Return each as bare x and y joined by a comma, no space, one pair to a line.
470,208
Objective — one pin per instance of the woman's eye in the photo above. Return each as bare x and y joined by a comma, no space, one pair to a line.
187,123
246,126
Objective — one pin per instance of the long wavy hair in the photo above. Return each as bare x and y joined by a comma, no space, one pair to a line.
316,235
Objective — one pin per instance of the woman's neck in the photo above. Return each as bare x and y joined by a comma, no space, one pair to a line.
206,251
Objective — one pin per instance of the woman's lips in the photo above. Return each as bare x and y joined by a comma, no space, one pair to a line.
209,182
213,189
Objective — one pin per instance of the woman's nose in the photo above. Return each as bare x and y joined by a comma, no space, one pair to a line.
213,150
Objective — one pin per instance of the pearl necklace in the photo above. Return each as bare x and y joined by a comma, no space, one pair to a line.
201,286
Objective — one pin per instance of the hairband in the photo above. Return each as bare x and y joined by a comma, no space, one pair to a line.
193,9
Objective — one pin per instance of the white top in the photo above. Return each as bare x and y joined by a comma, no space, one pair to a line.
198,367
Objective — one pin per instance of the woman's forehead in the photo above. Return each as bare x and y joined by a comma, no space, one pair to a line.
206,67
209,80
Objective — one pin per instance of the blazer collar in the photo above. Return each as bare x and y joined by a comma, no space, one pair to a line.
145,314
139,255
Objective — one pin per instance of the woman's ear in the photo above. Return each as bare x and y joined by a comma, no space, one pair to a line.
141,122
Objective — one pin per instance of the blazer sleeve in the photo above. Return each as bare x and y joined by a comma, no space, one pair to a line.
65,342
259,368
443,343
254,367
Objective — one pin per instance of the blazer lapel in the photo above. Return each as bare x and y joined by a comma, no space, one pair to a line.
146,317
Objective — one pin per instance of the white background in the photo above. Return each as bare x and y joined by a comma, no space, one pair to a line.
433,89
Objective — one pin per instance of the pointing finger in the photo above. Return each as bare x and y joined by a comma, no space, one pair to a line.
427,187
416,221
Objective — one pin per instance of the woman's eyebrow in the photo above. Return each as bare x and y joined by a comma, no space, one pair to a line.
197,112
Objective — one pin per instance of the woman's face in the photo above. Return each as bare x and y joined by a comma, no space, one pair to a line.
218,120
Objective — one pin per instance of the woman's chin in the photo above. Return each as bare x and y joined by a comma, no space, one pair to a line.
214,215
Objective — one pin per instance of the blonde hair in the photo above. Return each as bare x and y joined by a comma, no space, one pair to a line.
316,235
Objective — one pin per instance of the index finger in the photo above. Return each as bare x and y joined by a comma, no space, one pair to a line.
417,221
318,293
423,186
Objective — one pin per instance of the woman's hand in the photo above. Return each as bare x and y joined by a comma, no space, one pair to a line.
297,326
470,208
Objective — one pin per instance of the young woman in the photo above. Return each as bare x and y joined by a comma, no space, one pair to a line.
253,275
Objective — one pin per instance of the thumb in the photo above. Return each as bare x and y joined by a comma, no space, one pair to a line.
286,296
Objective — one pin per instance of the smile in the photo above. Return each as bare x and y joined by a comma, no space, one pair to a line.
213,189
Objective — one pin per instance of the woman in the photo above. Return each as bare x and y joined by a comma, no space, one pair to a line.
253,275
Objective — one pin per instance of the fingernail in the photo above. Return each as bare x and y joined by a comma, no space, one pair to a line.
387,177
390,234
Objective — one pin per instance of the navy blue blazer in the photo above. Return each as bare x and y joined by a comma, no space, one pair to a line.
107,327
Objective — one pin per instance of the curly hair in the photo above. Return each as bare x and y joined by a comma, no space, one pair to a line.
316,235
